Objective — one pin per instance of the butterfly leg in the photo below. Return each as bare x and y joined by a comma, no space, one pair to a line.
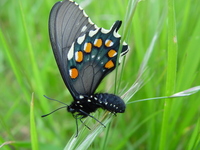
84,123
86,114
79,116
75,116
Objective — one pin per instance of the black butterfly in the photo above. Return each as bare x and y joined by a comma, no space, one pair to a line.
85,54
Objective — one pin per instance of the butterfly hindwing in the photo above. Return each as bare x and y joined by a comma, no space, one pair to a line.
93,56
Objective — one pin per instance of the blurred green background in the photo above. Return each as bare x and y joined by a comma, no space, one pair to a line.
27,66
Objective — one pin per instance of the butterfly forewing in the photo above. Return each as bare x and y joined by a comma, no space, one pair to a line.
67,22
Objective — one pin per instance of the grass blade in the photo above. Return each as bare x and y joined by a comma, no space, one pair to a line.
171,72
33,131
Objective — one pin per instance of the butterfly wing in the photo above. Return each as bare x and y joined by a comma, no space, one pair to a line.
93,56
67,22
84,53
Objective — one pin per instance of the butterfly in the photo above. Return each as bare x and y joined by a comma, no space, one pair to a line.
85,54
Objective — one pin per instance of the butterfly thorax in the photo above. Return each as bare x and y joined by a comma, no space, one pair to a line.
84,105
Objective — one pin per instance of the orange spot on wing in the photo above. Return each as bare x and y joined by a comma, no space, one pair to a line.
109,64
98,42
112,53
108,43
73,73
79,56
88,47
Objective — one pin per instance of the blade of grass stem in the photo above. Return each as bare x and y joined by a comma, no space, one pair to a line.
33,131
171,73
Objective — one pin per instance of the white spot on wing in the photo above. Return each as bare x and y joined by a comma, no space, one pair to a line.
90,21
70,54
70,72
80,7
81,39
76,56
96,26
81,96
83,28
93,32
104,31
115,34
124,43
76,4
123,53
95,41
85,45
85,14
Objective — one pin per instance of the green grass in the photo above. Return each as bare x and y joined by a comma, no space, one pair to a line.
28,71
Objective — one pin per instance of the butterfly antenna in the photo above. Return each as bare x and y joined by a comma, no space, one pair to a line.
53,111
57,108
54,100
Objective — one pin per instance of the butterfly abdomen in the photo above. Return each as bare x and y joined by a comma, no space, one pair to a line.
85,105
111,102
